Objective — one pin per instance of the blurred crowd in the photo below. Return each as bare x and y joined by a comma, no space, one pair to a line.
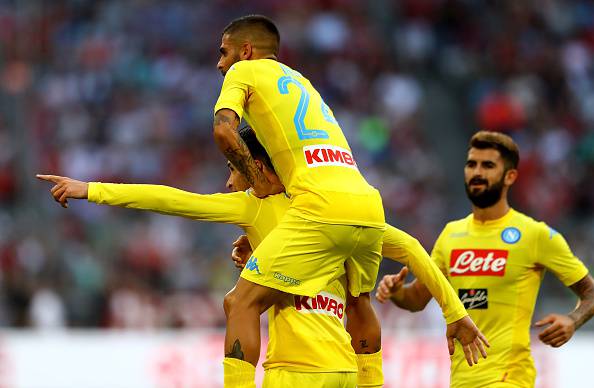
123,91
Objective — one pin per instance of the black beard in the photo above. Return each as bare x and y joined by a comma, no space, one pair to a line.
486,198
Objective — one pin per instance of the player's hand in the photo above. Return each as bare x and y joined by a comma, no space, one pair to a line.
241,251
390,284
470,337
560,330
65,188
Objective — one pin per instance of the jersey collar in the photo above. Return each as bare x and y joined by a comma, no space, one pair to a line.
497,222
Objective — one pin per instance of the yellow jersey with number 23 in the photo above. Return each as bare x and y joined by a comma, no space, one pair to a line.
304,141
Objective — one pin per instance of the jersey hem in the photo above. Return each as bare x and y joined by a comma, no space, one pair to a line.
375,225
289,289
312,369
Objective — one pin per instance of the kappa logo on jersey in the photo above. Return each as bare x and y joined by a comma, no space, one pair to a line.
286,279
252,264
511,235
474,298
323,303
478,262
328,155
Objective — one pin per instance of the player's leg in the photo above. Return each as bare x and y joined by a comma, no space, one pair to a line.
243,306
299,257
362,322
364,327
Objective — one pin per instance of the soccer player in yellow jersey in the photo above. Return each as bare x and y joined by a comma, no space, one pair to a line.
307,335
334,216
495,258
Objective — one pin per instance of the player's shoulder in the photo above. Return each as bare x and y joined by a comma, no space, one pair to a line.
242,196
238,67
528,223
460,224
256,65
280,200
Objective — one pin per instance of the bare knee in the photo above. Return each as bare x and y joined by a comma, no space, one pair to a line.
246,296
229,302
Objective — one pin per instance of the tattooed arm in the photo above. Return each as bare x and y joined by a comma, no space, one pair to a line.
236,151
584,310
562,327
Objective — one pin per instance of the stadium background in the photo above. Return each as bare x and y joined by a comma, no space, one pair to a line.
122,91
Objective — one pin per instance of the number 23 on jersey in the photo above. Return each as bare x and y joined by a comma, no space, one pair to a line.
303,132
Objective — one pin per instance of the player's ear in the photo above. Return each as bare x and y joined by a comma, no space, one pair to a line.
245,51
510,176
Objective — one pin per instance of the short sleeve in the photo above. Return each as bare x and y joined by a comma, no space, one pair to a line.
554,254
236,88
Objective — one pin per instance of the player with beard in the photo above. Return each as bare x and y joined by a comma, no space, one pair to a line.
496,258
335,219
308,340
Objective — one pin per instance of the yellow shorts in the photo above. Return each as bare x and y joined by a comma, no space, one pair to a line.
301,256
280,378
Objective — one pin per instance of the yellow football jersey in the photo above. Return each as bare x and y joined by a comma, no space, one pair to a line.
305,334
305,143
497,267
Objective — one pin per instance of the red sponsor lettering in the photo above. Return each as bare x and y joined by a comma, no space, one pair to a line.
478,262
328,155
332,305
301,302
322,301
335,156
312,157
321,304
348,159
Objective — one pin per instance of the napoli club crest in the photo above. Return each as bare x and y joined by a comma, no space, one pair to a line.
511,235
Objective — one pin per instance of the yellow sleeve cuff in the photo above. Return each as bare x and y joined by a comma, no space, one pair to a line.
94,192
229,105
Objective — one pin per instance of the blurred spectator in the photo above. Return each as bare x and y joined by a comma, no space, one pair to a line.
123,92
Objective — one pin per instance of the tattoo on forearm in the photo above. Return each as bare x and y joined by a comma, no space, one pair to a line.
584,289
221,118
235,351
239,154
242,160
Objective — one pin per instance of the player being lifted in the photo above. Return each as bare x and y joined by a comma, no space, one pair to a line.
334,215
317,352
495,258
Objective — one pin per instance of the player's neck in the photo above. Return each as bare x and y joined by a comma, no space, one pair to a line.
491,213
257,55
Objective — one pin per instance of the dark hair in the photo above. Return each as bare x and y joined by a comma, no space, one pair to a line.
510,153
248,136
255,24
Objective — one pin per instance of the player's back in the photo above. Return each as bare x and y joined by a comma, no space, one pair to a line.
304,141
306,334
